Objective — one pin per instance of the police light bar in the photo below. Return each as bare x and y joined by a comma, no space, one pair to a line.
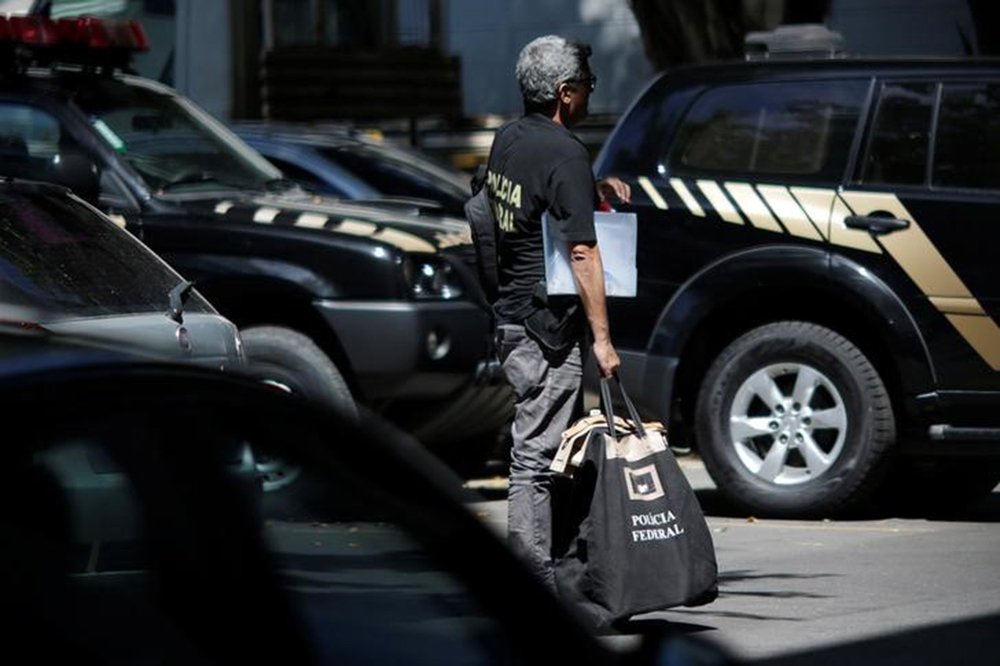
84,40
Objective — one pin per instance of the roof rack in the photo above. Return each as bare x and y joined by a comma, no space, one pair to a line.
804,40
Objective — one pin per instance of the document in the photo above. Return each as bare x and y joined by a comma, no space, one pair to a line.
616,237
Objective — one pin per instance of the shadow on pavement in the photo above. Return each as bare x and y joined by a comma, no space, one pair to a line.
970,643
986,510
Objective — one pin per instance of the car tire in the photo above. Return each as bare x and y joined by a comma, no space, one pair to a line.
819,442
291,361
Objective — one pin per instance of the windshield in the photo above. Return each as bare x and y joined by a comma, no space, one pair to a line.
396,172
59,257
173,145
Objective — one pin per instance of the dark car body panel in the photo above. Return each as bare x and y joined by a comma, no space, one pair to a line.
269,253
721,251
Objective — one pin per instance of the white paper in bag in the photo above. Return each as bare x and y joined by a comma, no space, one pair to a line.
616,237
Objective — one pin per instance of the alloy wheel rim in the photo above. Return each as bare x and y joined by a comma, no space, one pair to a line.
788,423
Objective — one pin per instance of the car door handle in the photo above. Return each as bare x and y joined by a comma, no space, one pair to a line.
877,226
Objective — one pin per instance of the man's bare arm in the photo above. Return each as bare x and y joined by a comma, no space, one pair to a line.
585,259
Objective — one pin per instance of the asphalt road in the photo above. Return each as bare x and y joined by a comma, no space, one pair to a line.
880,588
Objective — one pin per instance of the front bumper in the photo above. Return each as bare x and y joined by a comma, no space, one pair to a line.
400,350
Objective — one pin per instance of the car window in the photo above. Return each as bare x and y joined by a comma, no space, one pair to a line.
29,139
967,153
61,257
305,178
164,530
900,140
395,175
171,144
795,129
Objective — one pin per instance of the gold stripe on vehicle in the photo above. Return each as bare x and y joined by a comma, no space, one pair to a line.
753,207
924,264
312,220
356,228
982,333
817,203
682,191
653,193
265,214
959,306
720,202
910,247
841,235
403,240
789,212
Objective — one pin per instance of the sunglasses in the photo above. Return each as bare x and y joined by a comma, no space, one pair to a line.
591,81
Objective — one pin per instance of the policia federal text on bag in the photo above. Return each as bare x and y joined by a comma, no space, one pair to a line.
633,537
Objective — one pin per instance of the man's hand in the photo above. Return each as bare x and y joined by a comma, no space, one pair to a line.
614,187
607,358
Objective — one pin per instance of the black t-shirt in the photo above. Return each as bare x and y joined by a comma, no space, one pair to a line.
536,166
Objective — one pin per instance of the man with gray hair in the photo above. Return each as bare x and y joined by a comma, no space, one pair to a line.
539,173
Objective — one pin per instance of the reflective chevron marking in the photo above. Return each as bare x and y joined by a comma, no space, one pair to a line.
682,191
753,207
312,220
654,194
719,201
982,333
817,204
841,234
959,306
808,212
920,259
789,211
265,214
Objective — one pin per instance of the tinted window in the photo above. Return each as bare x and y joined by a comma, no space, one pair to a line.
61,257
797,128
172,144
304,177
967,153
901,135
29,139
397,174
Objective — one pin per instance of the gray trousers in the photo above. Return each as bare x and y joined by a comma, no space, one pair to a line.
547,397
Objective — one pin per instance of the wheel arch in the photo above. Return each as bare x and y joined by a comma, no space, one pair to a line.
260,301
760,286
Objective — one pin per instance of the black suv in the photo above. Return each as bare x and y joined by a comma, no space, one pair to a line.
817,300
337,301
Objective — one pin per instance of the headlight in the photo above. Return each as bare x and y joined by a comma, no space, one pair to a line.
431,277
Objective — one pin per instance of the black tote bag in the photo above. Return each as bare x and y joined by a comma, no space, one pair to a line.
632,537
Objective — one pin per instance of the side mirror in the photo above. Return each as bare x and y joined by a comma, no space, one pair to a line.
78,172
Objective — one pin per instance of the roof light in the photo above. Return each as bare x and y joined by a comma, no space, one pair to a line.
6,32
33,30
84,40
85,31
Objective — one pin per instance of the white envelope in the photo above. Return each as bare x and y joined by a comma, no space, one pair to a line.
616,237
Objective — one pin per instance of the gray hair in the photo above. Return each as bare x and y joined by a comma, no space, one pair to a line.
545,63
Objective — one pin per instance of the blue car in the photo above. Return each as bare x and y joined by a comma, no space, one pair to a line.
351,165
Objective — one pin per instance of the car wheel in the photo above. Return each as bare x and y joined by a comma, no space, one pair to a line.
793,420
291,361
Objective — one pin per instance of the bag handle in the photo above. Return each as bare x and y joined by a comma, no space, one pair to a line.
608,409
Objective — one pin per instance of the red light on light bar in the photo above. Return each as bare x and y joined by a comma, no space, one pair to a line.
33,30
86,32
139,40
6,32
